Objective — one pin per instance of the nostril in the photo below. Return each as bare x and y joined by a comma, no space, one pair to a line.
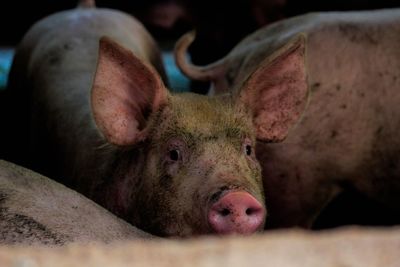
225,212
253,211
249,211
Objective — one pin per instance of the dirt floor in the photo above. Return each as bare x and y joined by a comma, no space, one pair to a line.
345,247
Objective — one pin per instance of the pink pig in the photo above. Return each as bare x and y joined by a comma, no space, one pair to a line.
104,123
347,137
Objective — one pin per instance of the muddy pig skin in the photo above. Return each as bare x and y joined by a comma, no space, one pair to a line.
36,210
104,122
348,135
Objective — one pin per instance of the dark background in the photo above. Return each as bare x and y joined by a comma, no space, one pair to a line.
220,24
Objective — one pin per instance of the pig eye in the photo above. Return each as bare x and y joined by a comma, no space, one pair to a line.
175,151
174,155
248,150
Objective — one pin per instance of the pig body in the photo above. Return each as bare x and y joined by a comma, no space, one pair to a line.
57,59
37,210
104,124
347,136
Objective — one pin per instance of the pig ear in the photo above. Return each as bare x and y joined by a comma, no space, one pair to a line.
277,92
125,92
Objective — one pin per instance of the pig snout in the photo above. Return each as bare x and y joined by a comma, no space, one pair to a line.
236,212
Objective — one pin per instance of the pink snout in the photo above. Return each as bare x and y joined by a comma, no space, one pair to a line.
236,212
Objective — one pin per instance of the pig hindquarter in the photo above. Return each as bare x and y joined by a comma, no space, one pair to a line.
347,136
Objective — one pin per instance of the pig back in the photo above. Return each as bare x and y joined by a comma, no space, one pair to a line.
331,36
348,133
347,136
353,69
55,65
37,210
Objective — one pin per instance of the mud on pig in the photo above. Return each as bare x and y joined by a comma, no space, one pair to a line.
103,123
347,137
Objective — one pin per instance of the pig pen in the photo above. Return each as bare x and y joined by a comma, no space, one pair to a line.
340,247
345,247
349,246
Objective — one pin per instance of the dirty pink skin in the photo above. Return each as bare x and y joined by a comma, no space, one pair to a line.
104,123
35,210
348,135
